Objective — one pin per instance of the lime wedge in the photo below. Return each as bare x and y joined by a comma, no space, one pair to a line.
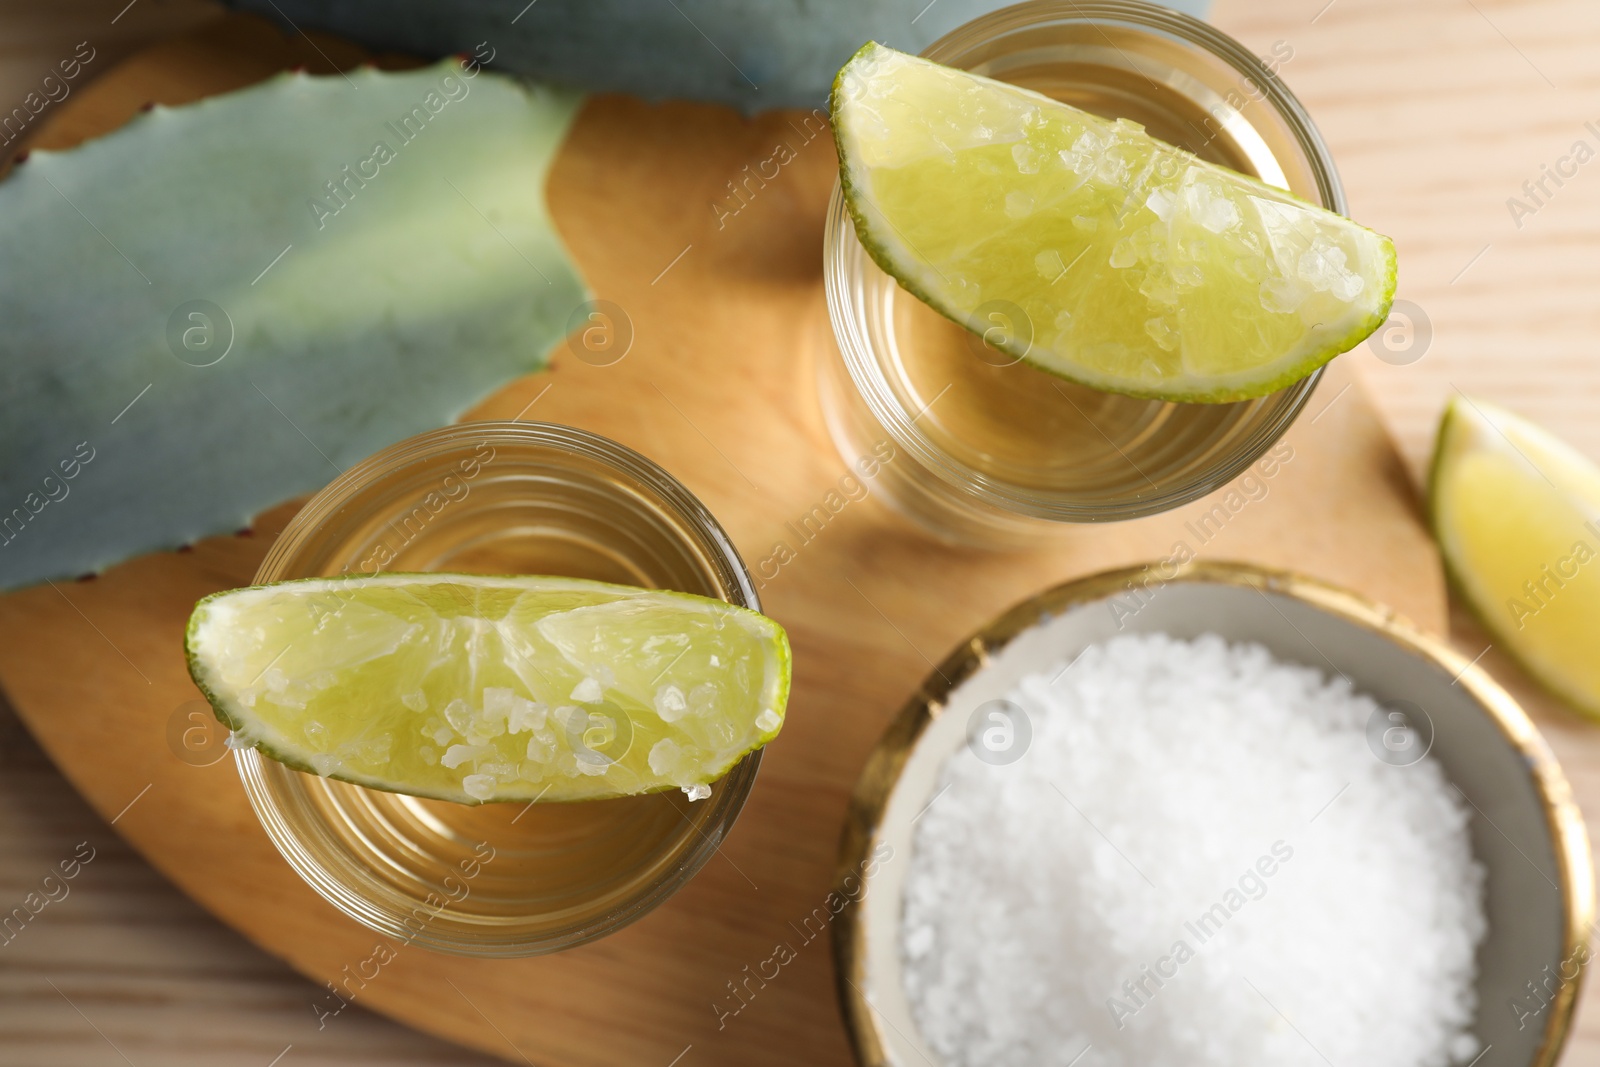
474,689
1517,516
1091,249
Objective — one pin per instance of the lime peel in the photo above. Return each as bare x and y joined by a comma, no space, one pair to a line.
1104,255
474,689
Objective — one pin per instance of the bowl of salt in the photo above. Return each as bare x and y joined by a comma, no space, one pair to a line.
1244,818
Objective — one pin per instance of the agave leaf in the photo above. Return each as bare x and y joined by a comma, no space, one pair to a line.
219,306
753,54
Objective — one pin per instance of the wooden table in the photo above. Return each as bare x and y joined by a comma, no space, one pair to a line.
1437,110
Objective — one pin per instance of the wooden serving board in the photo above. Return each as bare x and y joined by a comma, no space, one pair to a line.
719,388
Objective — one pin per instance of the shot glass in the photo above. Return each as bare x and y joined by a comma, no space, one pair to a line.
501,879
997,453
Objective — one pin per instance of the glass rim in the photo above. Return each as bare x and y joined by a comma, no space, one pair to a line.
843,255
328,500
277,792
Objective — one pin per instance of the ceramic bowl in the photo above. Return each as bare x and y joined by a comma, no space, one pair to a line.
1526,829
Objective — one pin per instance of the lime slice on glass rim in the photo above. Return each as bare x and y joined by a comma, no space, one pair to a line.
473,689
1517,516
1089,248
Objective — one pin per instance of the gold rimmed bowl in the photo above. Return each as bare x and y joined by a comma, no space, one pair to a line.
1526,830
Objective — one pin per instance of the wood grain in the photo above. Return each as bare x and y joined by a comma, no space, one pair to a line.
1437,111
728,337
120,961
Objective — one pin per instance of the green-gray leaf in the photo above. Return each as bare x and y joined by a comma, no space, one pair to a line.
220,306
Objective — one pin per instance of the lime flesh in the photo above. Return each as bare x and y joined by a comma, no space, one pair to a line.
1517,516
474,689
1091,249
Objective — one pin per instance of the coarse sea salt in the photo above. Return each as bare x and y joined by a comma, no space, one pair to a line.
1197,860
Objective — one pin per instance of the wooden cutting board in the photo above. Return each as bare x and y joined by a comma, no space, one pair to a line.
719,388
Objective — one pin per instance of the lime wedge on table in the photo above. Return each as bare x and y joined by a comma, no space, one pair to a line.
470,688
1517,515
1091,249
